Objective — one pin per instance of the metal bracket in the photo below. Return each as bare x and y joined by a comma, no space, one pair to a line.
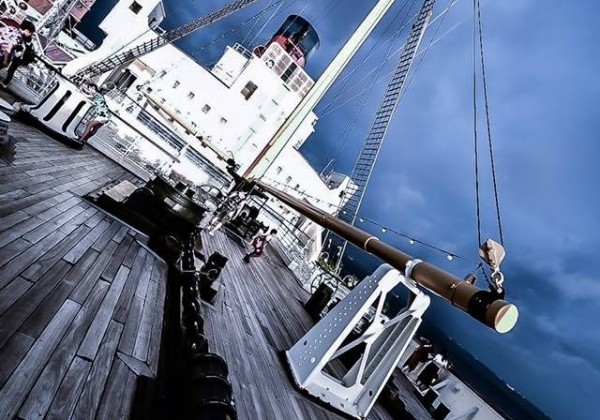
410,266
384,342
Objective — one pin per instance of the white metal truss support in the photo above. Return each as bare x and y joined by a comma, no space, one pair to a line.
385,341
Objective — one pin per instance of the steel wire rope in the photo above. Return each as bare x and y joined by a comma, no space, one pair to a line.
488,123
238,27
275,13
342,83
344,135
426,50
475,133
253,26
385,228
215,40
384,77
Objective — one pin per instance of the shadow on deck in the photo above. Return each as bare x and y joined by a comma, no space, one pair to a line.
81,297
82,300
258,313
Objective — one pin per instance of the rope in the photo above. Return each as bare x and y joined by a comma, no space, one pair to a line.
193,54
442,15
256,23
488,122
368,76
379,225
344,135
345,79
475,135
275,13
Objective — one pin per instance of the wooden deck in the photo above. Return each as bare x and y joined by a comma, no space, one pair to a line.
80,296
81,301
258,313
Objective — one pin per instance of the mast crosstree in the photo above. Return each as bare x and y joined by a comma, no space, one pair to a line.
370,151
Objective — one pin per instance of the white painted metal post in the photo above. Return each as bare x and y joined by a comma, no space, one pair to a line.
385,340
283,136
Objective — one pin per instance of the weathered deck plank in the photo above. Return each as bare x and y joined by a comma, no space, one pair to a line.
42,394
259,303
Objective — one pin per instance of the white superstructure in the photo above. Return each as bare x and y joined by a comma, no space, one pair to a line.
238,105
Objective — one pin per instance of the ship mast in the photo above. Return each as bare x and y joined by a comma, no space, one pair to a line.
286,132
369,153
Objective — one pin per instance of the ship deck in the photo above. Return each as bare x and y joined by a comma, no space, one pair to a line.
82,297
258,314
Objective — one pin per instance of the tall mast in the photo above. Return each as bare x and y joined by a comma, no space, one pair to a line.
286,132
370,151
147,47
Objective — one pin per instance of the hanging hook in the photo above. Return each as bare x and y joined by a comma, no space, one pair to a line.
492,253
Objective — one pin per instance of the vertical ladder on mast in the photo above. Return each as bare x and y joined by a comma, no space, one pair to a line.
372,145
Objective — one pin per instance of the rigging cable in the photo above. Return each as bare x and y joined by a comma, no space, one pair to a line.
366,92
178,63
240,26
475,134
378,80
347,77
489,125
426,50
243,42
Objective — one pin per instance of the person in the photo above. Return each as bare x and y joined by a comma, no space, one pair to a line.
228,210
23,55
100,113
431,373
258,245
420,355
12,39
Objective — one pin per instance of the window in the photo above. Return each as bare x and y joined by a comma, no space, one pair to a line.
249,90
289,179
176,84
191,95
162,100
279,169
288,72
135,7
206,109
223,120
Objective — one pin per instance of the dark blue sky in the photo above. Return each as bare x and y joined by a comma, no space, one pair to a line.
542,59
